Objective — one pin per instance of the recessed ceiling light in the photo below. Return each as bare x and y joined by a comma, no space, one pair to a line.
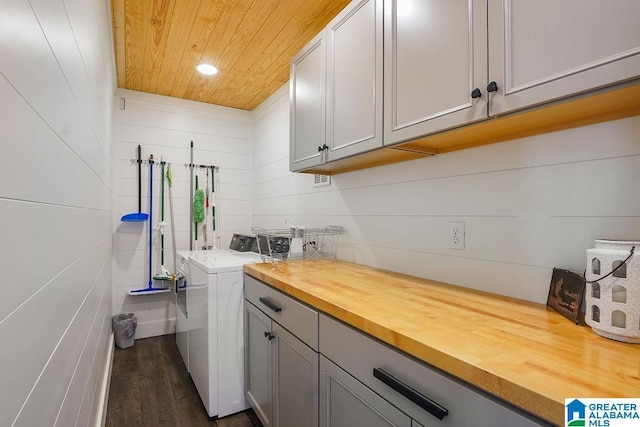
207,69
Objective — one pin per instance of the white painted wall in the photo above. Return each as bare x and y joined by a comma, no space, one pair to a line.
56,98
528,205
165,126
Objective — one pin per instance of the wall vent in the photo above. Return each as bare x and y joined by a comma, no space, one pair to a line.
321,180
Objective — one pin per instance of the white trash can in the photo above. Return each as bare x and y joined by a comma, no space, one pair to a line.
124,329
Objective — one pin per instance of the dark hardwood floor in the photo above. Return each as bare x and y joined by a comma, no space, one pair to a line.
150,386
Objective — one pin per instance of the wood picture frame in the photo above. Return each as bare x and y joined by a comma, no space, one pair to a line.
566,293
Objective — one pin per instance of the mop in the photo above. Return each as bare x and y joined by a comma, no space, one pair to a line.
164,274
150,289
198,209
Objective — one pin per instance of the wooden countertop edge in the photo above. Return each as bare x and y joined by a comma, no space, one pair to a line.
490,382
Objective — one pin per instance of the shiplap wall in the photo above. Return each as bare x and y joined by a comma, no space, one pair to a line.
56,97
164,127
528,205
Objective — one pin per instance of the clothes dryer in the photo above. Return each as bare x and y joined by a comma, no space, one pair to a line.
215,333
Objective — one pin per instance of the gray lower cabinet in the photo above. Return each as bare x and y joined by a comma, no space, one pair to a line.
257,363
295,381
346,402
385,384
305,369
281,369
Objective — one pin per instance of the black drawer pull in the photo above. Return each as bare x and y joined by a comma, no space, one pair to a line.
271,305
416,397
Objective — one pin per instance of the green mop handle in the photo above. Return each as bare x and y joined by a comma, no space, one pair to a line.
194,220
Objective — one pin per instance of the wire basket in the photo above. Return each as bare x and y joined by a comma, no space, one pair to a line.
291,243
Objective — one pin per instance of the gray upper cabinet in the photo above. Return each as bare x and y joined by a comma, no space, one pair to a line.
354,80
336,89
544,50
437,54
447,64
307,105
435,57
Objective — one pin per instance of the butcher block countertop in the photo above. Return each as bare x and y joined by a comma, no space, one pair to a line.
520,351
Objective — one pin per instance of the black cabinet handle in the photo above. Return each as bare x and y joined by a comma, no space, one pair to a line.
476,93
416,397
492,87
320,148
271,305
269,336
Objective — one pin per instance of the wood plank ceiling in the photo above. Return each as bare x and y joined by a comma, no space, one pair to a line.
158,44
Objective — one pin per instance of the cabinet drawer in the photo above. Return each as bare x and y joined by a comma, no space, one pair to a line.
344,401
294,316
403,381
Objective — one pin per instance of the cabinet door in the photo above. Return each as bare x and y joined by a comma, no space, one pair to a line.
345,402
435,56
257,375
295,387
307,105
354,79
546,49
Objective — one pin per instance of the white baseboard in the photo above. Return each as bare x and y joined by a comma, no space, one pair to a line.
156,328
105,383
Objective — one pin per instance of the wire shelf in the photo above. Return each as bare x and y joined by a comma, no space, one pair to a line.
276,245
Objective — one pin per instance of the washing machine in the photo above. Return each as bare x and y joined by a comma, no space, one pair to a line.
214,302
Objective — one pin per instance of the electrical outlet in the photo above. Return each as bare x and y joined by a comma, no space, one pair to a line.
456,235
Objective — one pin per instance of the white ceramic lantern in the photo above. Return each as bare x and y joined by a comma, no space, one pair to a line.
613,302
